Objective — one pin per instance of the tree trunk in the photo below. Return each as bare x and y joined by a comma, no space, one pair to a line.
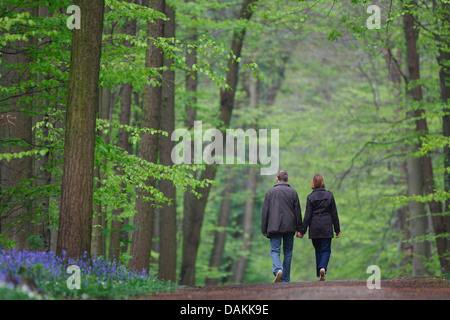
191,85
193,218
419,220
16,124
43,177
250,190
220,234
247,225
117,240
116,246
98,242
148,147
75,222
444,80
168,213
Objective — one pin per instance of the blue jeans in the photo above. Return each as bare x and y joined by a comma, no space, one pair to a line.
323,252
288,244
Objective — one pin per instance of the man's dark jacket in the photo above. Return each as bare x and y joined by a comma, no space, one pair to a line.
281,210
321,215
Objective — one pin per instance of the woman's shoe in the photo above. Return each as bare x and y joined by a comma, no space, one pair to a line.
278,276
322,274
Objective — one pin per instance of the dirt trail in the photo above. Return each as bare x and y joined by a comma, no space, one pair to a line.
400,288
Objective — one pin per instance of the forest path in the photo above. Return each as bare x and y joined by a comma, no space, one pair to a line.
393,289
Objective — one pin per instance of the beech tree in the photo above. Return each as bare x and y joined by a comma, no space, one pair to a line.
148,148
75,221
422,174
168,214
15,124
380,136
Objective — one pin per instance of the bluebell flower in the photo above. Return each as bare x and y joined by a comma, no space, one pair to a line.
47,267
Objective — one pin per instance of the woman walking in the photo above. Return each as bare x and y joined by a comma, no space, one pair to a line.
320,216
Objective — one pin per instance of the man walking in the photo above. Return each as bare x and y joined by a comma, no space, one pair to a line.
281,220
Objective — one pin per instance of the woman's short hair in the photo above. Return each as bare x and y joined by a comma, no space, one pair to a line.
282,175
317,182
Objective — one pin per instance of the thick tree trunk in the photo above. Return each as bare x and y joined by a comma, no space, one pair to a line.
148,147
193,218
75,222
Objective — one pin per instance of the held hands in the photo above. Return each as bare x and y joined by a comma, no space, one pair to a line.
299,235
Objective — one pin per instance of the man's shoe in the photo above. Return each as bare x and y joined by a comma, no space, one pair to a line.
322,274
278,276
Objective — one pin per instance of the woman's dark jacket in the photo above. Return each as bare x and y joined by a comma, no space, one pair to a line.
281,211
321,215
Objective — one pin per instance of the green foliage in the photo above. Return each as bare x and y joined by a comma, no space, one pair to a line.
41,275
122,173
323,81
340,114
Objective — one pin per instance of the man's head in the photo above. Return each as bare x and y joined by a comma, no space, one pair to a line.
282,176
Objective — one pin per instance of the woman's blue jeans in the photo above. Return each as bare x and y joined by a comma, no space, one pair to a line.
323,252
288,244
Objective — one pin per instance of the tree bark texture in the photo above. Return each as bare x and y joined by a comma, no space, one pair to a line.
168,214
75,224
444,80
422,129
16,123
148,147
118,239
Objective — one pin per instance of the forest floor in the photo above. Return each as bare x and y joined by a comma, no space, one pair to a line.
431,288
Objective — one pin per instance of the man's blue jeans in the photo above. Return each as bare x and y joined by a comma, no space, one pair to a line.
323,252
288,244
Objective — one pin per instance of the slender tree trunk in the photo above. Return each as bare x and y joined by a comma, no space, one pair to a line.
148,148
418,222
220,234
168,213
247,225
43,177
250,190
98,243
191,85
115,243
16,124
191,81
444,80
75,222
117,240
402,214
424,171
193,218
